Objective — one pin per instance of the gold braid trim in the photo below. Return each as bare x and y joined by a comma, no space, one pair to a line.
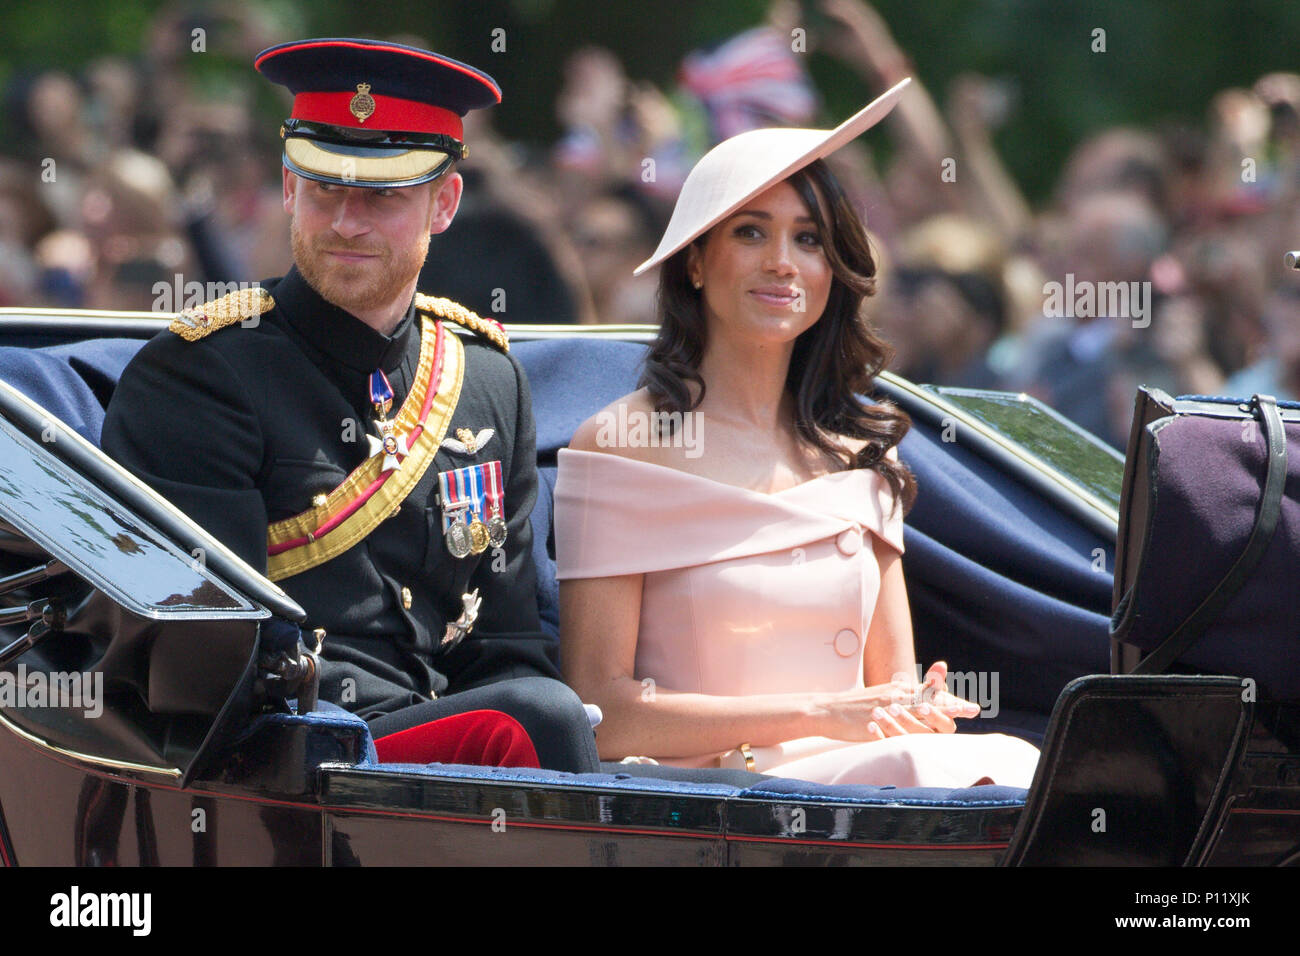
194,324
384,502
455,312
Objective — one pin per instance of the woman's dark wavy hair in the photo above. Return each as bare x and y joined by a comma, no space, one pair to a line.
834,362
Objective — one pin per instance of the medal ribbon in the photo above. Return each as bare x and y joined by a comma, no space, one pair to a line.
465,484
494,489
449,489
381,393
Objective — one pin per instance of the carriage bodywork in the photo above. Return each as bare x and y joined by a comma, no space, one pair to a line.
199,757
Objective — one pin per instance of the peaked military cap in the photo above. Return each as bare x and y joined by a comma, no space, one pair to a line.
372,113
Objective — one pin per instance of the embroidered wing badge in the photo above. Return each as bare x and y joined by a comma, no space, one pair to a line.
467,442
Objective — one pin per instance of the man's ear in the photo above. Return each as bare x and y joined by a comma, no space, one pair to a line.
290,188
445,201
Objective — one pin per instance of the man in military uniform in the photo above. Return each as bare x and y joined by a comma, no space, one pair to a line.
370,449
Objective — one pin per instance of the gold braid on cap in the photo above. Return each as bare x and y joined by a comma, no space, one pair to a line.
455,312
194,324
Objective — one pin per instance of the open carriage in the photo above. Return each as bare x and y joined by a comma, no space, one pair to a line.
186,746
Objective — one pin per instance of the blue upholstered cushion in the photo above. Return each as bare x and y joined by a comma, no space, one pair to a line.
571,380
73,381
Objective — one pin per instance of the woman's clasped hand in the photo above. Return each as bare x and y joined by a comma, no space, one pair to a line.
899,707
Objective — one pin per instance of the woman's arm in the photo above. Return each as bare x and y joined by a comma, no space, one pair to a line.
599,620
891,655
889,651
598,627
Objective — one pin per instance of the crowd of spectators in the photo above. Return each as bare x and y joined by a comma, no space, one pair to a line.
1157,260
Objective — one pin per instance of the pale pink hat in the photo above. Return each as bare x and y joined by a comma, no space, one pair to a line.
740,168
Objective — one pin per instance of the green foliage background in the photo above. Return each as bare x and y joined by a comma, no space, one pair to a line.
1164,59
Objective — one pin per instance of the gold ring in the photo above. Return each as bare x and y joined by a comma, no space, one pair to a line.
749,757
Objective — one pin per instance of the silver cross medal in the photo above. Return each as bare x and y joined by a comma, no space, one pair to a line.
390,443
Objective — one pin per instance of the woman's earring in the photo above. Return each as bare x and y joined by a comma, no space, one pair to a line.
698,285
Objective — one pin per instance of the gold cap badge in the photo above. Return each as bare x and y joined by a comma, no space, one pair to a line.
363,104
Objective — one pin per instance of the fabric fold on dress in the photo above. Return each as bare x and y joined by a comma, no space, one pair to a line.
603,502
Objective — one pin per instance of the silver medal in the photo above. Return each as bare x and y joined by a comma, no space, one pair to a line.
457,535
496,527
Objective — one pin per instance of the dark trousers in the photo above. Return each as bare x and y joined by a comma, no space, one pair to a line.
549,710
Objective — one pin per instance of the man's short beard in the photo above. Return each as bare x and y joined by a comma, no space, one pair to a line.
355,294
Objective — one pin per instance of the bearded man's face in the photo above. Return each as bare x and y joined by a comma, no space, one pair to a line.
360,247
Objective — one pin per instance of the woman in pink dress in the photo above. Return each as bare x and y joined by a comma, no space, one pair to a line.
728,537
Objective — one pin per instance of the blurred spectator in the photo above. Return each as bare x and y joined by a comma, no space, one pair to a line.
66,264
946,297
1184,365
1229,272
24,218
507,255
1117,160
127,214
137,169
493,261
1278,372
1073,359
615,132
614,233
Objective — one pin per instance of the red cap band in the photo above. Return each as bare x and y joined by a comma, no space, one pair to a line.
391,114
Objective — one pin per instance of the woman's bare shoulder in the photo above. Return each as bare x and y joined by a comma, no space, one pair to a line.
631,427
600,432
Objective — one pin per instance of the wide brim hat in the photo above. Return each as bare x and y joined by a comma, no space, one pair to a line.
745,166
373,113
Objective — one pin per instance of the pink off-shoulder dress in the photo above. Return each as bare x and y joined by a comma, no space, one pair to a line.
752,593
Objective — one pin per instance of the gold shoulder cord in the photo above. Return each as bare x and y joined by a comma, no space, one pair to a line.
194,324
455,312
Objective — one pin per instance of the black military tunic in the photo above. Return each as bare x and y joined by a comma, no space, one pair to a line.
247,425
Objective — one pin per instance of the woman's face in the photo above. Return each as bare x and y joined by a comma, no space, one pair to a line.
764,271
